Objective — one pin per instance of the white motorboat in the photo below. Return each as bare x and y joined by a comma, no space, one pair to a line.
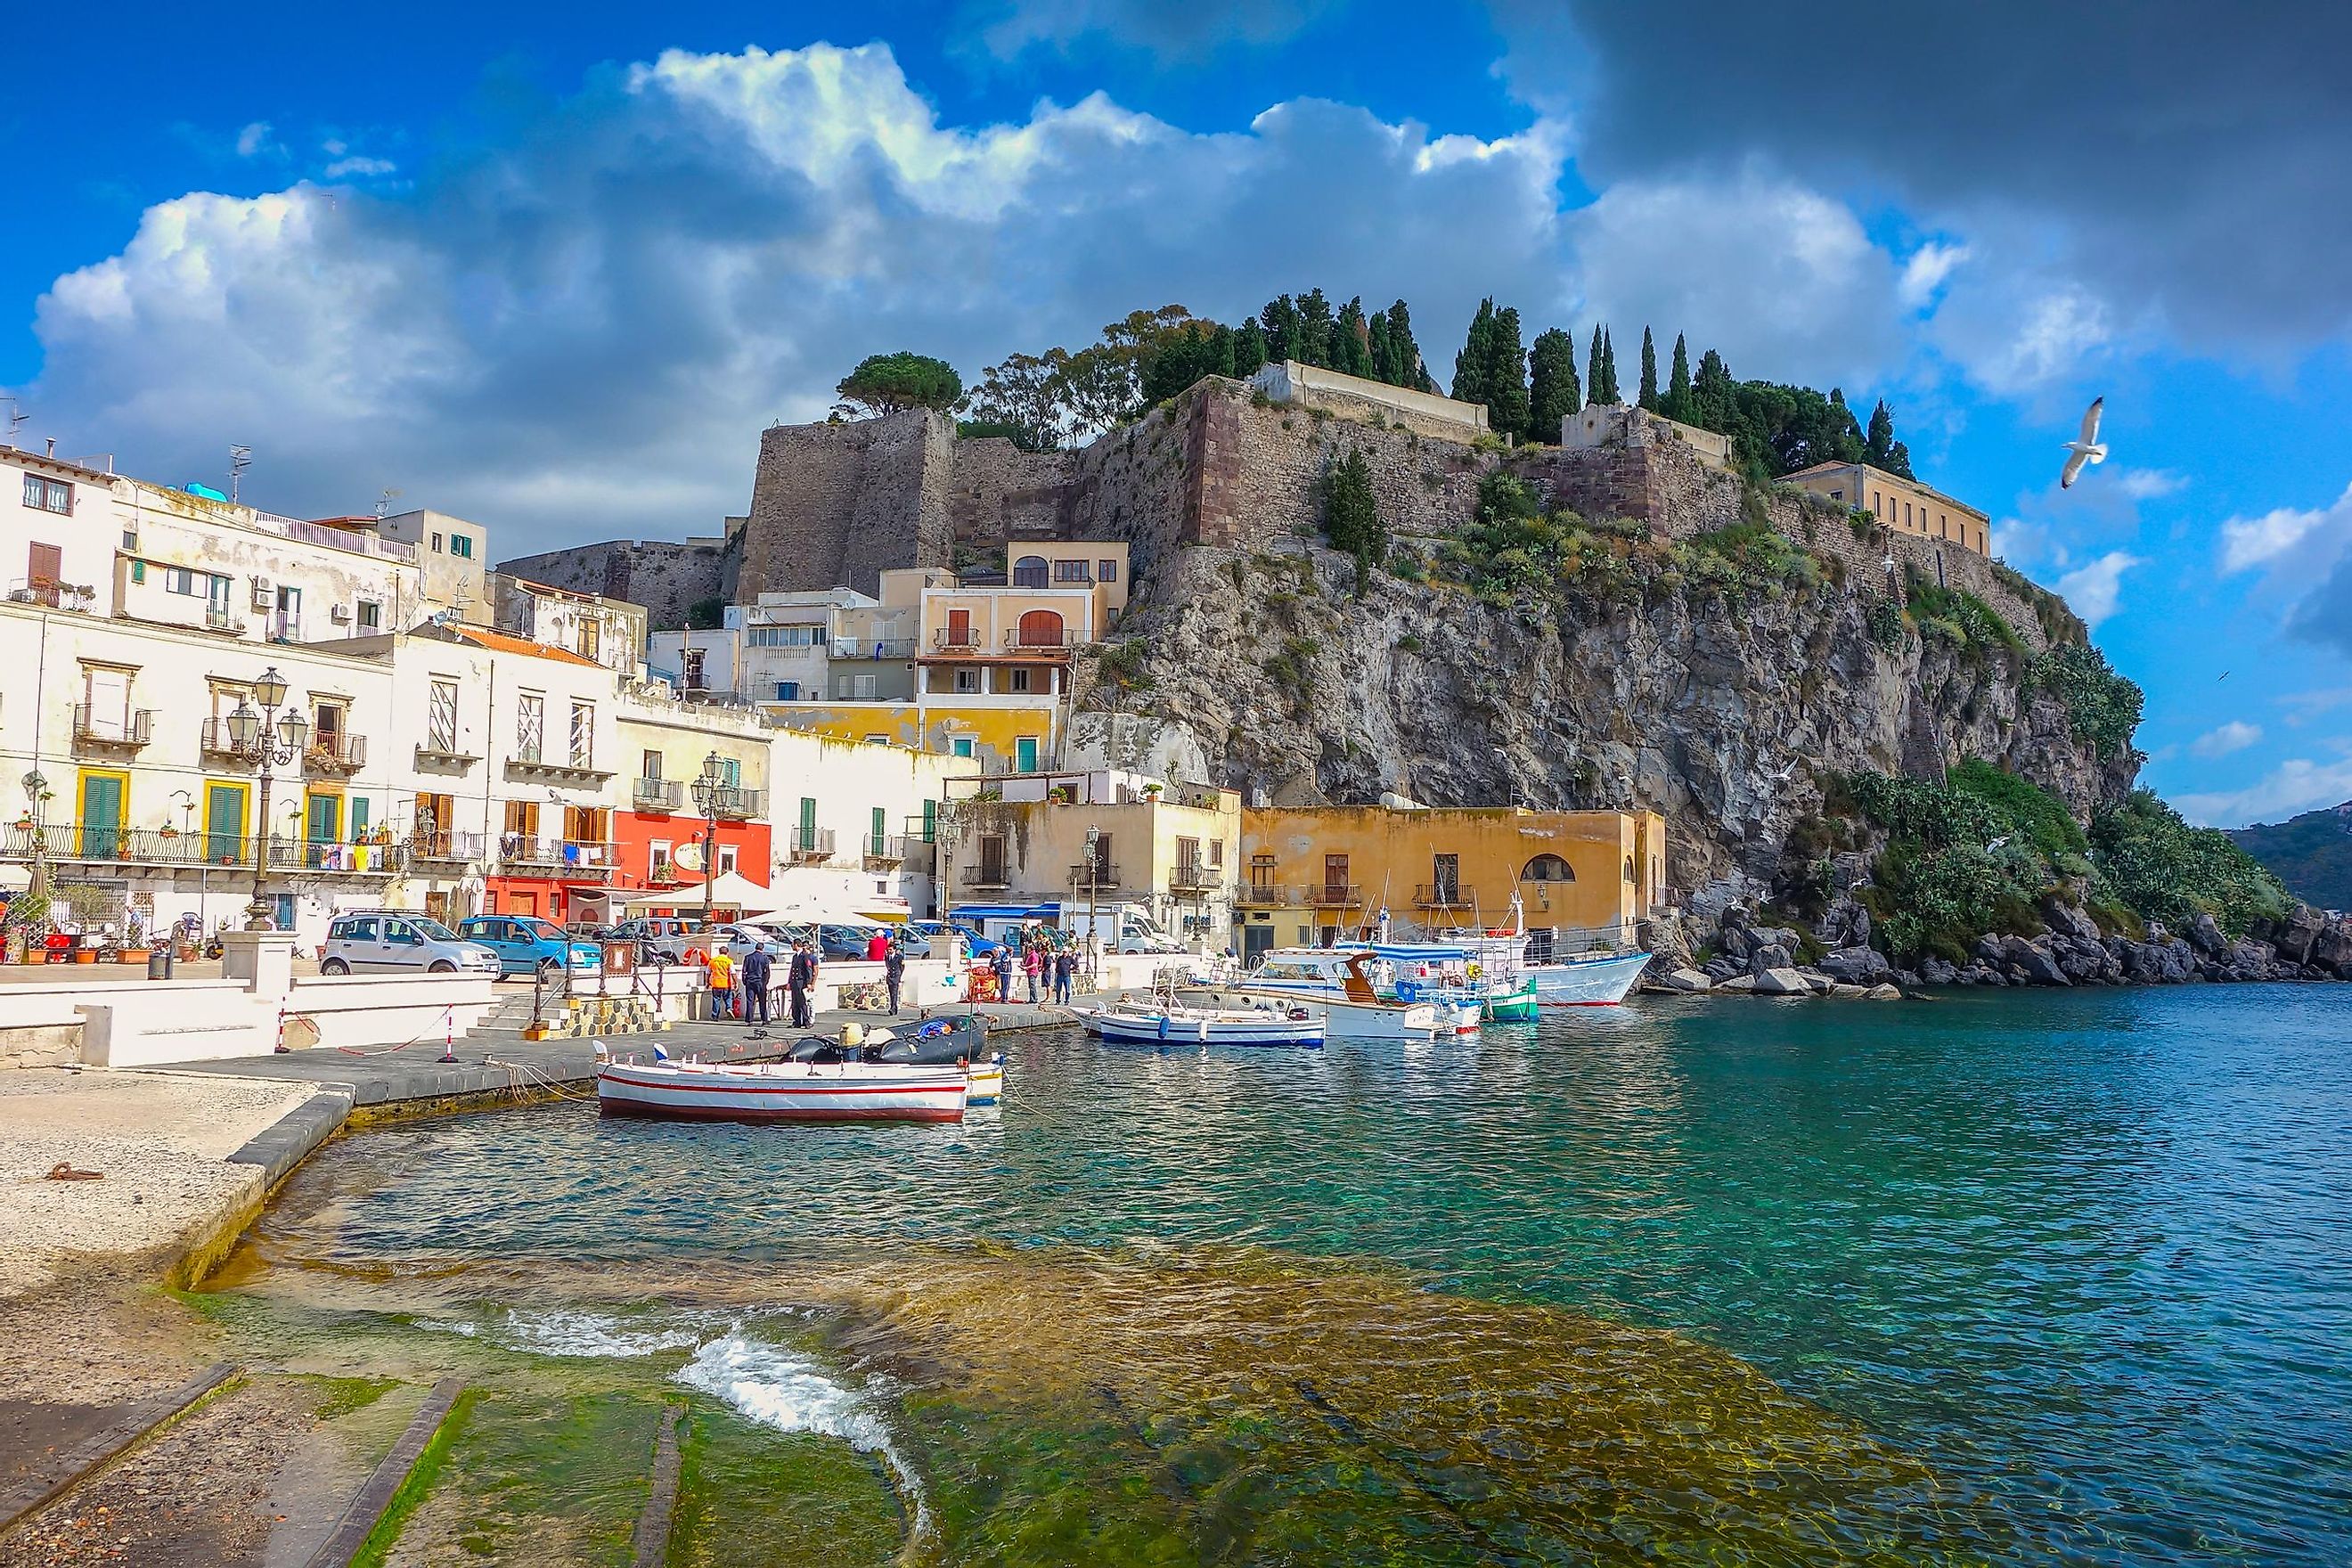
1338,983
1602,980
1163,1021
784,1091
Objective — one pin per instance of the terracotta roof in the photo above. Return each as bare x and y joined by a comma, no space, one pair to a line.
499,642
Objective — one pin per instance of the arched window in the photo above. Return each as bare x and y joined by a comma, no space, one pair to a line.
1629,868
1041,628
1029,572
1547,868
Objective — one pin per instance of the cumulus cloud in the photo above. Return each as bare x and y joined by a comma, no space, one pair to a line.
2094,589
1189,31
2295,786
2257,541
254,140
2148,484
2306,557
1925,270
2219,742
581,332
2128,178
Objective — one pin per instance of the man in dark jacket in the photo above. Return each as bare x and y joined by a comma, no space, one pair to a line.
894,973
759,968
800,978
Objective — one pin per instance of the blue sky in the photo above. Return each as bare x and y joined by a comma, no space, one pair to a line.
554,270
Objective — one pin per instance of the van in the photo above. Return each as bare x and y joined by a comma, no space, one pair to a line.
365,941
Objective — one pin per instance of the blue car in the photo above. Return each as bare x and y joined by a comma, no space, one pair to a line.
526,944
980,946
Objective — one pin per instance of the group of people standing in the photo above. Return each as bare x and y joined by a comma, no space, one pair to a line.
745,988
1039,961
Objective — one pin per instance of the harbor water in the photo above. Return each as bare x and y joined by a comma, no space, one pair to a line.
1997,1277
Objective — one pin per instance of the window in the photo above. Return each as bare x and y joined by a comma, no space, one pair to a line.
1106,571
967,681
435,812
531,725
1071,572
659,852
43,564
788,691
1261,869
139,571
878,830
730,771
726,858
437,545
991,861
48,495
959,628
1547,868
441,718
930,821
649,764
521,819
371,616
1629,868
584,824
1216,851
327,725
1029,572
1445,878
963,747
1041,628
1099,869
583,734
1016,680
1024,754
461,546
781,637
1335,877
1837,494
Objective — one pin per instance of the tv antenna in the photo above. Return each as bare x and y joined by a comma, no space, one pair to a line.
17,418
383,504
239,459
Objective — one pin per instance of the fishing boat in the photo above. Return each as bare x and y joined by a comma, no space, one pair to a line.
1164,1021
959,1042
1338,983
1599,978
675,1091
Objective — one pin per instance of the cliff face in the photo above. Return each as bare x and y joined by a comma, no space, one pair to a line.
1722,709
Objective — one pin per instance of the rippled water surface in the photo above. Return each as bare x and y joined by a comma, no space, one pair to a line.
1996,1277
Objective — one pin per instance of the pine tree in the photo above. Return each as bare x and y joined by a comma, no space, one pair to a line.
1552,394
1649,373
1507,376
1383,362
1315,329
1470,364
1281,320
1595,378
1249,349
1410,370
1677,404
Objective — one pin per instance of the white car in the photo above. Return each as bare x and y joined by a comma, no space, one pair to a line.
378,940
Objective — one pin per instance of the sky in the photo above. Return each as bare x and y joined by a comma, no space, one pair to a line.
554,270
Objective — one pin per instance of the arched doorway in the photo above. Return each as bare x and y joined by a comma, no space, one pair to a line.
1029,572
1041,628
1547,868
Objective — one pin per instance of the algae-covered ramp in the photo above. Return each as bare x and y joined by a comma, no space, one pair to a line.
355,1531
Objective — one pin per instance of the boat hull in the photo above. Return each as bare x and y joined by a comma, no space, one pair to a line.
986,1083
1156,1029
783,1092
1518,1007
1588,982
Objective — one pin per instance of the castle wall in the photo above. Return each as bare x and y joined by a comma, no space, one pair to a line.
1372,401
837,505
998,493
664,577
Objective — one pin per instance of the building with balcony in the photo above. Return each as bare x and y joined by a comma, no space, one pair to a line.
609,632
672,832
1313,875
1108,835
1900,505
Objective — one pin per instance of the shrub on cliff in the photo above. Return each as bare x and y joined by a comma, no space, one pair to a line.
2103,708
1966,855
2168,870
1352,517
1961,619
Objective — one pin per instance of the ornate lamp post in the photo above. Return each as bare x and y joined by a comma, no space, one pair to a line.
707,787
267,739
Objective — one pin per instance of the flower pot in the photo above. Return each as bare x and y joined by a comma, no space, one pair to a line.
85,955
131,955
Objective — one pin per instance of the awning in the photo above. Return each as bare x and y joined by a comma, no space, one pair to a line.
731,888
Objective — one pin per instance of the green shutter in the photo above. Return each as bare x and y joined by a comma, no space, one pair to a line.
102,816
225,824
359,818
880,829
930,822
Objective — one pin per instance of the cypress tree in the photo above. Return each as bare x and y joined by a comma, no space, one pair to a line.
1351,342
1595,380
1609,365
1649,373
1281,318
1506,375
1249,349
1678,384
1315,329
1470,364
1878,448
1552,394
1220,358
1410,371
1383,360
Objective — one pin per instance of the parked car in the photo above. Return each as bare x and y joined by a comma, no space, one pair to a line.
366,939
527,943
840,942
929,938
980,946
661,939
741,939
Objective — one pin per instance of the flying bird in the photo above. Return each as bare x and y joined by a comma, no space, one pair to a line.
2085,448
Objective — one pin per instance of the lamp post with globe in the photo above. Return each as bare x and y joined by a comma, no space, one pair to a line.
708,786
268,739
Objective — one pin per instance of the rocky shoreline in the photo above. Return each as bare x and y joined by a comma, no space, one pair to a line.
1744,957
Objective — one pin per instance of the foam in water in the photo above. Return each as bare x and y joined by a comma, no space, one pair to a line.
782,1388
560,1331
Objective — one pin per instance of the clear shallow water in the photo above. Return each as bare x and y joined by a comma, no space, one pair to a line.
2086,1257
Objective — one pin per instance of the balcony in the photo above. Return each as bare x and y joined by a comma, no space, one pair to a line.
657,795
809,845
1094,874
527,853
444,851
442,754
732,802
106,844
1335,896
873,647
1041,643
113,728
949,639
1265,895
285,626
578,773
340,756
881,850
1444,896
985,877
1194,876
215,744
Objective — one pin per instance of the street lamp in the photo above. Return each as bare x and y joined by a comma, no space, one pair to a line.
266,739
707,787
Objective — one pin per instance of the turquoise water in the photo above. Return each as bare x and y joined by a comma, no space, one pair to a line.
2086,1256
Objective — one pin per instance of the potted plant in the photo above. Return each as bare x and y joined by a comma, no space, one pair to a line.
1152,791
1061,795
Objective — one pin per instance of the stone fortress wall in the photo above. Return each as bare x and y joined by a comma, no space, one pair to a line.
665,576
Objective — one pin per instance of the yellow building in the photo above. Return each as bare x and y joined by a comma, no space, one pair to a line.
1904,505
1314,874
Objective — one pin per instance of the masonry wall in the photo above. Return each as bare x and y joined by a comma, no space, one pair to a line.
998,493
666,577
837,505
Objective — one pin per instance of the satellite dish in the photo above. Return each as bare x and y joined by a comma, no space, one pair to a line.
687,857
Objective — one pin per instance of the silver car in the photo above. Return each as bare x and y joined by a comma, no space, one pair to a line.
381,939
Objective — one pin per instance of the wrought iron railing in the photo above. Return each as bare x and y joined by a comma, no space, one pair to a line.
98,842
1444,896
658,795
1337,895
343,753
810,843
129,728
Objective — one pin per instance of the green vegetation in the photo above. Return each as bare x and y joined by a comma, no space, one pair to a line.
887,383
1884,617
2103,708
1649,394
1292,667
2060,625
1553,394
1492,369
2168,870
1351,519
750,1495
375,1551
1960,617
1969,855
705,615
1121,663
2311,853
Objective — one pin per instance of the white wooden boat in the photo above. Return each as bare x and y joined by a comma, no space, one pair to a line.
1599,981
1162,1021
784,1091
1338,983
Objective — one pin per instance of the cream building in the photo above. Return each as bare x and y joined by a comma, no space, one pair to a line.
1905,506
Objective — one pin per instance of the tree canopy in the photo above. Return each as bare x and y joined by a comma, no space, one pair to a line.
887,383
1553,394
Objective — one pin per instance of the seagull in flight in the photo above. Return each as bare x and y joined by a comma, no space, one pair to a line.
2085,448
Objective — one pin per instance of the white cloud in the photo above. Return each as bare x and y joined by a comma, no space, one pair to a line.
254,140
2296,786
2219,742
1924,272
344,168
2254,542
2094,588
2148,484
583,333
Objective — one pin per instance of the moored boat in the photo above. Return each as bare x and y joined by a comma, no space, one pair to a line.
1166,1022
1601,980
782,1091
1337,984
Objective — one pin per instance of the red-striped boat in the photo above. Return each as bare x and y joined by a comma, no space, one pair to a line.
782,1091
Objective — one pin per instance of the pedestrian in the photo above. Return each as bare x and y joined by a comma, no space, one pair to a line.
1031,960
801,978
722,983
877,946
1065,965
759,969
1003,964
894,973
